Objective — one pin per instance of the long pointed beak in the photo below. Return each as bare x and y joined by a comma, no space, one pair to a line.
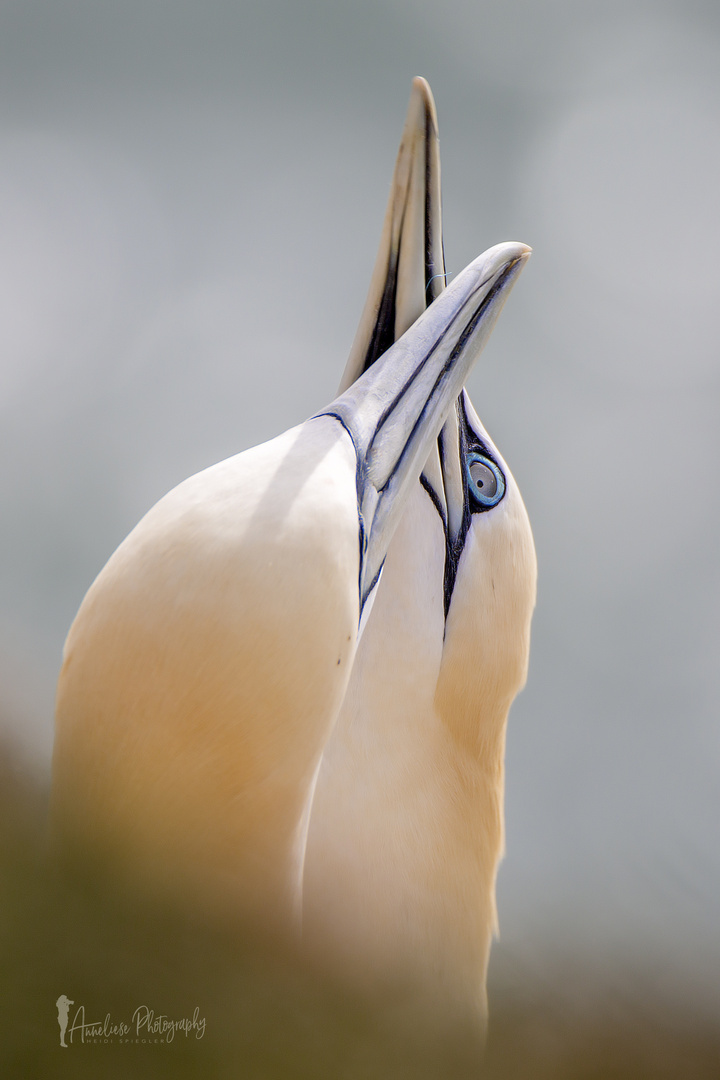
409,274
395,410
409,268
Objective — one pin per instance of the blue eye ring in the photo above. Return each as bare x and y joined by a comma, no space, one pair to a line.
484,499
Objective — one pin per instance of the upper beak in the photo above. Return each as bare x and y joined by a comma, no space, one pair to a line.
410,265
395,410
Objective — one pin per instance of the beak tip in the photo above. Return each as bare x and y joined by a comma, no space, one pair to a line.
423,102
502,258
515,249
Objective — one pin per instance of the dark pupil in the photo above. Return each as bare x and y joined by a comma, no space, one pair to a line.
484,478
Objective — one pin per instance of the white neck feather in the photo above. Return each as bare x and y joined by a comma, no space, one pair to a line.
407,825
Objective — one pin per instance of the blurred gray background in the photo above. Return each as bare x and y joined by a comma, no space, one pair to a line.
191,196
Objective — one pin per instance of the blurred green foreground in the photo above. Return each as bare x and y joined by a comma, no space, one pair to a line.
78,932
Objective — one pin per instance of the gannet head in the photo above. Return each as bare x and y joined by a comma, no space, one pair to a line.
395,410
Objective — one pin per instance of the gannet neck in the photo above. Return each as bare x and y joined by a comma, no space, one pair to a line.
203,674
407,826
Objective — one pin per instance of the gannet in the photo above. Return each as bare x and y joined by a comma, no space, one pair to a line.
207,663
406,830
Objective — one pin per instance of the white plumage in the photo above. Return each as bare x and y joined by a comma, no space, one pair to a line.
215,658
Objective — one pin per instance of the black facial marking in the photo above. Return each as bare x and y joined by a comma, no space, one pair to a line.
469,442
425,483
474,444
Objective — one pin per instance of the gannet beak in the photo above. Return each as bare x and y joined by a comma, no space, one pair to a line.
409,274
409,268
394,412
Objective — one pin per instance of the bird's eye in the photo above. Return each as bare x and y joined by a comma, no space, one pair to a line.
485,481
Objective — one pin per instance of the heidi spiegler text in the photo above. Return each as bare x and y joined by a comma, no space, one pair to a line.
146,1026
